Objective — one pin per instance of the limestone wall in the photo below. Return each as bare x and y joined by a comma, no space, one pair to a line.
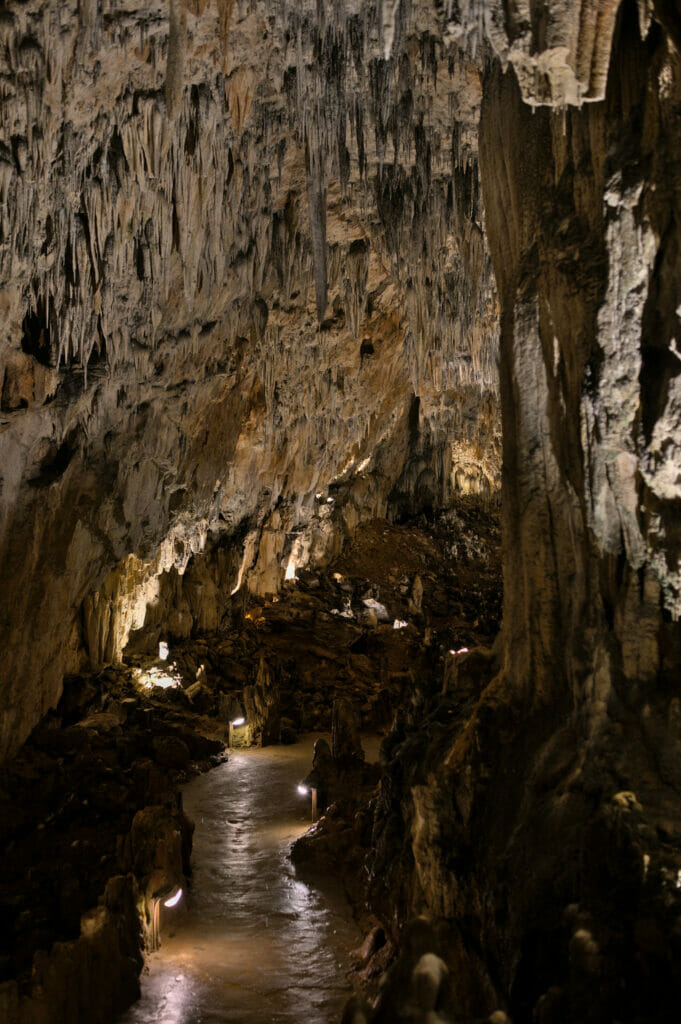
236,242
540,824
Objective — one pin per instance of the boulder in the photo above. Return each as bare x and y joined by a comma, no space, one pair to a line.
171,752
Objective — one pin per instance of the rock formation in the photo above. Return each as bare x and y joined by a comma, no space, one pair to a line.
259,263
240,256
560,791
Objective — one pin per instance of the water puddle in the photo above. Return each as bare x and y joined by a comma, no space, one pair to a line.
250,943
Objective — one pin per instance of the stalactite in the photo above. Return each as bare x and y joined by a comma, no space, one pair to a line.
177,39
168,187
316,201
355,277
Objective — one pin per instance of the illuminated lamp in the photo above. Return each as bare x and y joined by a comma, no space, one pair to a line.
304,790
170,896
173,900
236,719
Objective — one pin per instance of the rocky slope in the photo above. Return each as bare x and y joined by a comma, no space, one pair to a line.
93,835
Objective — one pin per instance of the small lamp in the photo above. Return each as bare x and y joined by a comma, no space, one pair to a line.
170,896
236,719
304,790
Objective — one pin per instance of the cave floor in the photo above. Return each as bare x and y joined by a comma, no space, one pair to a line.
113,747
251,942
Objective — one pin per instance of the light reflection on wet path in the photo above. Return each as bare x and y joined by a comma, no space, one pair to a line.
250,943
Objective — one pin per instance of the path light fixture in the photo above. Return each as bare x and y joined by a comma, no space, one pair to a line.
169,896
304,790
173,900
163,650
234,713
234,723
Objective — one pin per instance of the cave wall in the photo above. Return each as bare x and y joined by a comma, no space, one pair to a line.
544,824
238,241
585,243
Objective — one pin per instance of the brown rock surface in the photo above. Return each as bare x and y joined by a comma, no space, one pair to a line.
252,307
166,387
536,821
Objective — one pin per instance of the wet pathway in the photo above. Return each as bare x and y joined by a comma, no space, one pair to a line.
250,943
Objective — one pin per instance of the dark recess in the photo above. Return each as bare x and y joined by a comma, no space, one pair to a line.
55,465
35,338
